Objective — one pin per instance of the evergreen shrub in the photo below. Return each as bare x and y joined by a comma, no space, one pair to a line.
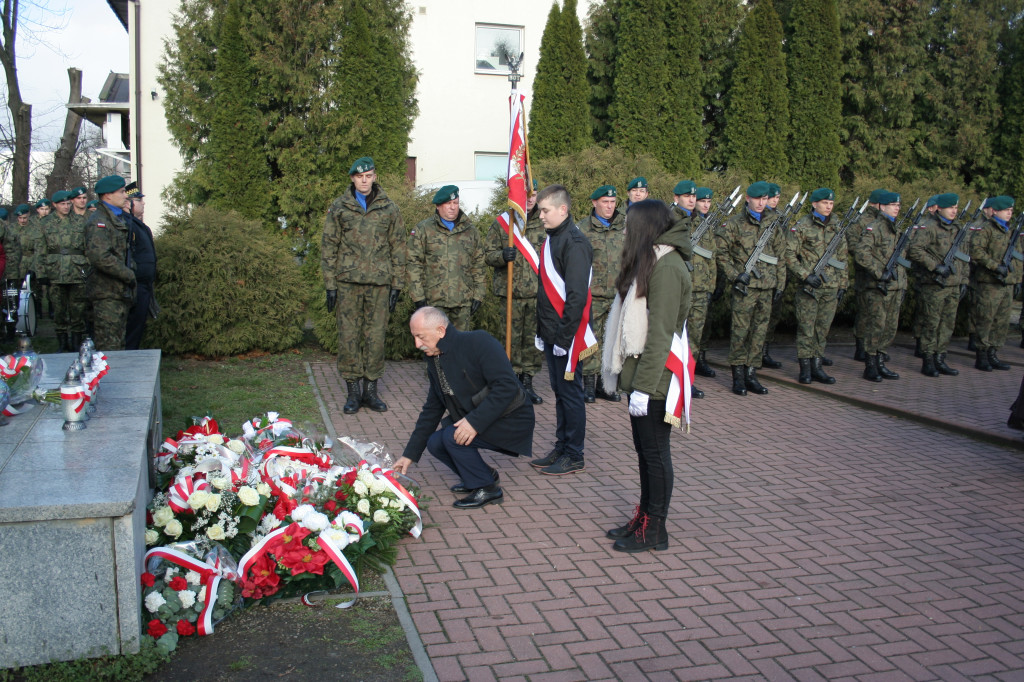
225,286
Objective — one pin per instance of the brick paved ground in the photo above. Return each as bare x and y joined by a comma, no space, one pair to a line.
810,539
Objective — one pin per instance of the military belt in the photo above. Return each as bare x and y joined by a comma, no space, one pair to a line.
71,252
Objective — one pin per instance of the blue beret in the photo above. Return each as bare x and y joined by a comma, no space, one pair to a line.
822,194
637,182
603,191
758,189
1000,203
109,184
704,193
685,187
362,165
947,200
446,194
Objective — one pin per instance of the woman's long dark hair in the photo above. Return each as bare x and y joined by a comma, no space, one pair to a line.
645,222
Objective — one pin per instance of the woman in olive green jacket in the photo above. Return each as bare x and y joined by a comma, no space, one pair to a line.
652,301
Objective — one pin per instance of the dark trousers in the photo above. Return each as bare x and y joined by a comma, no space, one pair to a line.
464,460
651,435
570,410
138,315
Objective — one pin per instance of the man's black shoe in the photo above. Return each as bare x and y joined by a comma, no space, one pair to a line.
564,465
480,497
547,460
696,392
460,489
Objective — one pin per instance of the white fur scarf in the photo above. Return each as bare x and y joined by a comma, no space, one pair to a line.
625,331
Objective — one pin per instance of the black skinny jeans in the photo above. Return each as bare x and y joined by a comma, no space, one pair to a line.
651,435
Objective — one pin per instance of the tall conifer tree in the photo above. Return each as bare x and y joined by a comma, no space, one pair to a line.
757,118
1010,134
559,113
716,28
602,50
681,124
641,102
815,108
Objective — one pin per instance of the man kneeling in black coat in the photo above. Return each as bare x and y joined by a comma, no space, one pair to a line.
472,380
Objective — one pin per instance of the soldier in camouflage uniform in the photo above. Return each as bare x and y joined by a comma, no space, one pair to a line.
774,195
991,284
929,212
66,267
750,311
43,207
12,250
604,228
446,261
636,190
362,255
526,359
684,219
33,251
79,200
110,285
704,277
871,241
939,284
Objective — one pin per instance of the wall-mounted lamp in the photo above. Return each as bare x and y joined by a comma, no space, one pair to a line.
153,94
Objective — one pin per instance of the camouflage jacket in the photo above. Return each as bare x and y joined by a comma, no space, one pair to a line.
736,239
363,248
988,244
704,268
607,245
106,247
808,241
33,248
871,240
524,279
932,239
446,268
66,262
12,248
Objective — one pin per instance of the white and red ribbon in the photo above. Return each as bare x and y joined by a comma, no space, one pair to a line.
681,364
74,393
209,574
519,239
399,490
584,342
10,366
182,489
336,555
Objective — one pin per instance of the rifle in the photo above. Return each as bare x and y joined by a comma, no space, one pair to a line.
896,257
1011,252
714,217
829,256
780,222
954,252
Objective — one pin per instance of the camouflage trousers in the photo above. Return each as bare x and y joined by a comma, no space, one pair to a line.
860,330
879,316
990,312
526,359
750,315
362,314
110,317
68,302
814,317
937,307
700,303
773,319
457,315
599,308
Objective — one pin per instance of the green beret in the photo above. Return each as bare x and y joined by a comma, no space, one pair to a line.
637,182
44,202
77,192
22,209
93,204
773,190
931,201
704,193
446,194
109,184
60,195
887,197
876,196
1000,203
758,189
362,165
685,187
3,214
947,200
822,194
603,191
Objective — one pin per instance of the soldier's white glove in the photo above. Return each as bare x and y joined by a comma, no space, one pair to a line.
538,343
638,404
559,351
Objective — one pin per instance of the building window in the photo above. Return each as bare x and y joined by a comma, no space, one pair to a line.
494,44
491,165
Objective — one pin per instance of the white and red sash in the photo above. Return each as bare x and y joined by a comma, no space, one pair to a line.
209,574
522,244
584,343
681,363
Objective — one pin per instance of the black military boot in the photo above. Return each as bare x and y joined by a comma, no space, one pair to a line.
751,382
650,533
871,368
940,364
702,367
766,358
826,361
981,361
738,386
370,397
696,392
885,356
859,355
589,388
972,343
928,365
601,393
355,395
818,374
994,360
884,371
918,353
527,380
805,370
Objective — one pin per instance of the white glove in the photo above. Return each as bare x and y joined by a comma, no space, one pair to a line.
559,351
638,404
538,343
